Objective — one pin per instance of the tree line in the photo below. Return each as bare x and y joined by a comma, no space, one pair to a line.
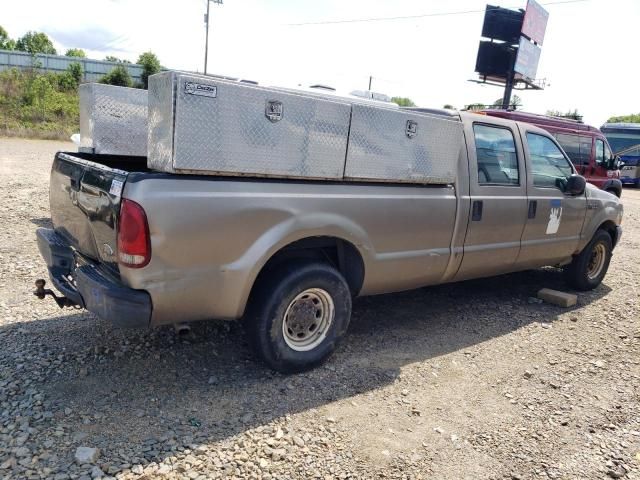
39,42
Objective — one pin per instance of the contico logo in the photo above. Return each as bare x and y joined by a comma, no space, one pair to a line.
201,89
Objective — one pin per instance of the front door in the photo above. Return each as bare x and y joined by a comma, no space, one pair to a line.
498,202
555,220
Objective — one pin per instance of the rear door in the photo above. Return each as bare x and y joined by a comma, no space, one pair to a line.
498,198
554,220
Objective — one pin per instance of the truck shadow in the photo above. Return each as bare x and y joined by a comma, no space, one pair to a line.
207,387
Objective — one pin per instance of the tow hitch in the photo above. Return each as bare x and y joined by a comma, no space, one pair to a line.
42,292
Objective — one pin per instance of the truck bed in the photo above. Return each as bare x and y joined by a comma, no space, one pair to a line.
211,235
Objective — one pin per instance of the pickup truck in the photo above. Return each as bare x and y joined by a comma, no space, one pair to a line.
144,248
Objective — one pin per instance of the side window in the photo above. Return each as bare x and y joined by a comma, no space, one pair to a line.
585,150
496,152
607,153
571,146
549,167
600,158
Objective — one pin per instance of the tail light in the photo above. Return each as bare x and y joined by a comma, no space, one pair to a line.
134,242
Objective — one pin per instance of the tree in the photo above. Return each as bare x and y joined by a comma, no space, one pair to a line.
5,42
403,101
476,106
516,102
35,42
150,66
119,75
574,115
75,52
111,58
448,106
70,79
632,118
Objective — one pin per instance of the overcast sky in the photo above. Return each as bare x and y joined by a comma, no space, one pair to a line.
589,57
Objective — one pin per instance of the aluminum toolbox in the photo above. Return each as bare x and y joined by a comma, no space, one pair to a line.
402,146
206,125
113,120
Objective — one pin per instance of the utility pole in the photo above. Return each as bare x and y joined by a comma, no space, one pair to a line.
370,79
206,41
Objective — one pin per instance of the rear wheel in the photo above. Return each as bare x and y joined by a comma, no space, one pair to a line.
613,191
297,315
588,268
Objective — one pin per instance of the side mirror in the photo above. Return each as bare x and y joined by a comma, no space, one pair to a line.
575,185
618,163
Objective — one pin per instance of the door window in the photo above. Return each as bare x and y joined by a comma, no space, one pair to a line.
549,167
585,150
571,146
496,153
600,158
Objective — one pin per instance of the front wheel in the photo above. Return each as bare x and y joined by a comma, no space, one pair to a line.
297,315
589,267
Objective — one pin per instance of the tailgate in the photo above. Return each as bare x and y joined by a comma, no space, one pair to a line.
85,201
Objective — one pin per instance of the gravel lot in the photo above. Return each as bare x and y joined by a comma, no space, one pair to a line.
473,380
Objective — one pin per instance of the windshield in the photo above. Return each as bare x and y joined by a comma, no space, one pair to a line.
621,141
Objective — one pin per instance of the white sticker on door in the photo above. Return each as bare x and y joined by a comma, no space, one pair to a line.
555,216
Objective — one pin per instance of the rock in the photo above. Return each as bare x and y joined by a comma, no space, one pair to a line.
213,380
617,472
22,452
86,455
438,430
279,433
96,472
528,374
83,372
331,420
298,441
405,392
137,469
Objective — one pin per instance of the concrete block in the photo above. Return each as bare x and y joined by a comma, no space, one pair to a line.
561,299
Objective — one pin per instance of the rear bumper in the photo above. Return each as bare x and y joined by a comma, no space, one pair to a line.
90,288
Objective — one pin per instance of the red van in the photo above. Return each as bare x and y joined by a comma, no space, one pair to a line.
585,145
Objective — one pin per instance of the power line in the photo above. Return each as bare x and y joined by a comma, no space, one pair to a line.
409,17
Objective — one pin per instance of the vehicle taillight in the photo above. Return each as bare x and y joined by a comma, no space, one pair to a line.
134,242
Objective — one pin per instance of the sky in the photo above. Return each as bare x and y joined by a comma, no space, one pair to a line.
589,56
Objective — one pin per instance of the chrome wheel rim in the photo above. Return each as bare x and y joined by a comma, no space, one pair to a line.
596,262
307,319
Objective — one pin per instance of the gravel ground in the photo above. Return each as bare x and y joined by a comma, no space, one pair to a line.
472,380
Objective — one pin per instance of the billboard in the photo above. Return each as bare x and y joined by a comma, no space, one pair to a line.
527,59
535,20
502,24
494,59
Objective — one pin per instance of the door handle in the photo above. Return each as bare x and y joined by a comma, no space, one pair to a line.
476,211
533,207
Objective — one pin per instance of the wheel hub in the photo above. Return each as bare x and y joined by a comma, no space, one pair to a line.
596,262
307,319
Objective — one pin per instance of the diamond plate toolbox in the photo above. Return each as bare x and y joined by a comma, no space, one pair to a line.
113,120
201,124
396,145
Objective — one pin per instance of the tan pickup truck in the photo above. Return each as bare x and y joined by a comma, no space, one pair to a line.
146,248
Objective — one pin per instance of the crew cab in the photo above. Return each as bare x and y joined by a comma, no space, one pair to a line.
586,147
143,248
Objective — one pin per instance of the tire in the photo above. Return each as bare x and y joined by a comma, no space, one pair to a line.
285,305
589,267
614,192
